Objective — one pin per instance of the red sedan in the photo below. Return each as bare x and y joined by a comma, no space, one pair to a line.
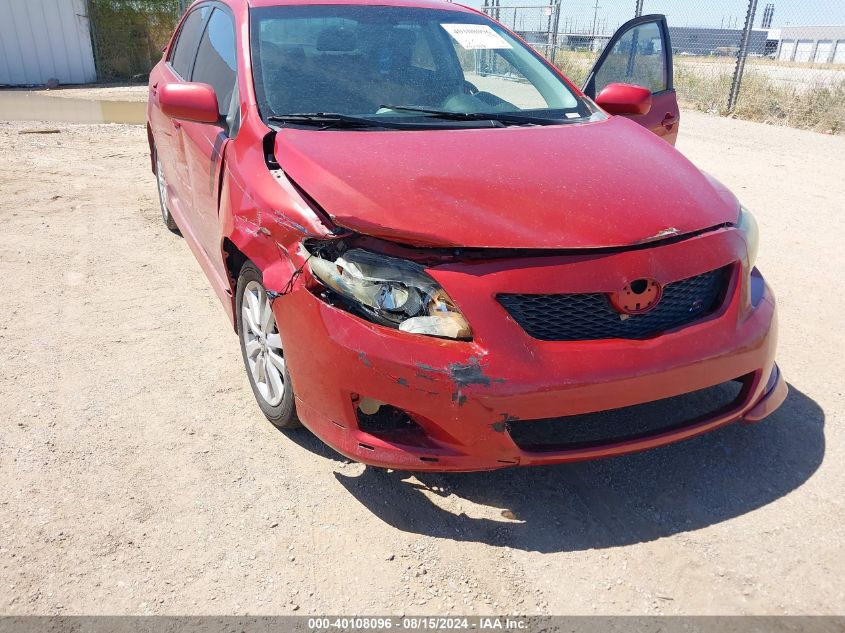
439,253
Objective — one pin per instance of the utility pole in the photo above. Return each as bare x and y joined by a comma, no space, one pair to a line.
742,54
593,30
639,10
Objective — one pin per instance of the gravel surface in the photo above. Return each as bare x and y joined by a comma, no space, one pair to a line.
139,476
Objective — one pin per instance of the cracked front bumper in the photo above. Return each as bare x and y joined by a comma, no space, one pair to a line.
465,395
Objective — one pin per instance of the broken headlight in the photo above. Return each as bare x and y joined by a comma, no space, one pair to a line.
392,291
747,225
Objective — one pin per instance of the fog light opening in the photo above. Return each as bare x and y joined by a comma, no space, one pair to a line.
384,419
369,406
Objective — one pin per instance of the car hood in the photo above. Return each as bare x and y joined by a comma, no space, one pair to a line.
602,184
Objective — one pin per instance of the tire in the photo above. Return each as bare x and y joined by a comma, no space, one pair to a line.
169,222
261,349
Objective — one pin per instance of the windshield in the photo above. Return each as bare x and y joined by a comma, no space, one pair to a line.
363,63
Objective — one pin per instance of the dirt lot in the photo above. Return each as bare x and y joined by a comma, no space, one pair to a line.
139,477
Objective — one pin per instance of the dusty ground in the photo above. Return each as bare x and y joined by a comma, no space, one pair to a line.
139,477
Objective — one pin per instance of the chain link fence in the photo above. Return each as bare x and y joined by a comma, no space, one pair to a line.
780,61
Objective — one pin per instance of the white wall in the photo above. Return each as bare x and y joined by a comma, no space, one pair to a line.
42,39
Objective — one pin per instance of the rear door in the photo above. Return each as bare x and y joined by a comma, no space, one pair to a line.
640,52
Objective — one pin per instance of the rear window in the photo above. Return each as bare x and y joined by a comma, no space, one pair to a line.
182,57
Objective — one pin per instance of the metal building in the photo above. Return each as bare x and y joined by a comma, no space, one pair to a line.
687,40
45,39
813,44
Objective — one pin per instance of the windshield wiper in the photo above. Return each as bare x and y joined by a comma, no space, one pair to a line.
326,120
476,116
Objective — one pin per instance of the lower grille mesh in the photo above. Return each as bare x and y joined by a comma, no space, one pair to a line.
617,425
590,316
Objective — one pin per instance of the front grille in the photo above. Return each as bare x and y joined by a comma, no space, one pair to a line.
590,316
628,423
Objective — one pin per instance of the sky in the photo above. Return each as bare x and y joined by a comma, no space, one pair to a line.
579,14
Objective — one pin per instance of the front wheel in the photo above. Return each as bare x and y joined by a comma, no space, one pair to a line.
261,346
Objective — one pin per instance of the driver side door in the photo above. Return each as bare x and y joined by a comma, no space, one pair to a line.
640,53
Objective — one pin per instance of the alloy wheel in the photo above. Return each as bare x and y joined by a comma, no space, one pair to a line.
263,344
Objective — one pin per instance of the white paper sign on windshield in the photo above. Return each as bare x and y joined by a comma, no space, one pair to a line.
474,37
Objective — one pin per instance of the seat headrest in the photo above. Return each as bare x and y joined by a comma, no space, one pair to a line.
399,38
337,40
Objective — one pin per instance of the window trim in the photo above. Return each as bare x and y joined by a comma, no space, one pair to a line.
214,4
178,37
589,88
210,4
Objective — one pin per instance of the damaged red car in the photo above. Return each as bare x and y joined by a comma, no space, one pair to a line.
441,254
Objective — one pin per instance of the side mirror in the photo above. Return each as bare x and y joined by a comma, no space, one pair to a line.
625,99
190,102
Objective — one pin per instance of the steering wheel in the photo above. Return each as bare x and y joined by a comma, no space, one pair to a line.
470,88
460,91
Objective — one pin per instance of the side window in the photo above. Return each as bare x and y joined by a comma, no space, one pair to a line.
216,63
182,56
636,58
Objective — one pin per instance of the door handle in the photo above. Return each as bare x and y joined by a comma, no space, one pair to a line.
669,120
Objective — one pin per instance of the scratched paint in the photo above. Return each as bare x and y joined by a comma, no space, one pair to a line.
502,425
462,374
470,373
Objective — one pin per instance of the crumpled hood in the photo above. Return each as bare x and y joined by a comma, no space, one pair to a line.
601,184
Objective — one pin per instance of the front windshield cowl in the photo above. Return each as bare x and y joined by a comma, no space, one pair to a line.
354,67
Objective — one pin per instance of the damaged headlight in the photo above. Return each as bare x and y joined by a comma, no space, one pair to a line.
748,225
394,291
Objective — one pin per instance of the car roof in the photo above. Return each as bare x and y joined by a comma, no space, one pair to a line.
422,4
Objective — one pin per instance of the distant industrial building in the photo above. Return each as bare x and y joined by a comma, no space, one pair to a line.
807,44
810,44
687,40
816,44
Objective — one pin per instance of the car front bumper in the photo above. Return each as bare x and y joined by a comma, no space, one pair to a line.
467,395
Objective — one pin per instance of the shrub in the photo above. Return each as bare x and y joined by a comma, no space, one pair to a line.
128,35
819,107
